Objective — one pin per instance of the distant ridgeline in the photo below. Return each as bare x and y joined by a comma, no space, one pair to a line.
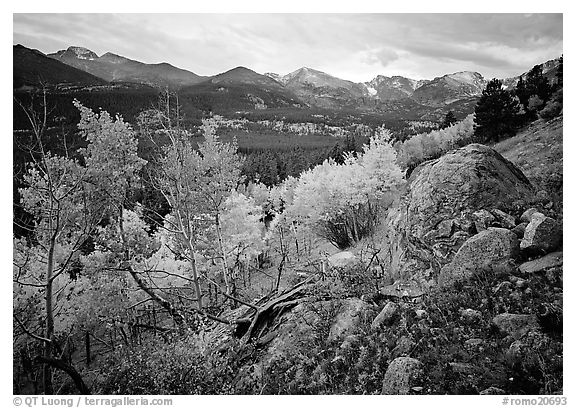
119,84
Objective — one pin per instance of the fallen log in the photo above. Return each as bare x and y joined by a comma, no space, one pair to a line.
268,312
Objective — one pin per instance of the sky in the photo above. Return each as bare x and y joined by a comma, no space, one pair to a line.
356,47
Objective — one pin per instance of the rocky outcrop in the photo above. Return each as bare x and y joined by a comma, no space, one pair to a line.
402,374
492,250
438,216
461,182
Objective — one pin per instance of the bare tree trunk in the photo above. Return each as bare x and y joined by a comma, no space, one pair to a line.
68,369
196,277
355,225
176,315
87,343
296,240
224,262
49,329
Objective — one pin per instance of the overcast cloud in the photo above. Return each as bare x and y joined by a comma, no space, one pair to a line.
351,46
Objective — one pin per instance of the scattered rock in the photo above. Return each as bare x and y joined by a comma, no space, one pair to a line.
542,234
520,229
402,290
402,374
552,260
474,343
343,260
521,283
421,314
471,315
542,196
299,325
493,391
554,276
349,341
514,352
521,348
527,215
502,287
370,297
505,220
515,325
492,250
388,316
462,368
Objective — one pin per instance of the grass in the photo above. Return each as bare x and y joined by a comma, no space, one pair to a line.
538,151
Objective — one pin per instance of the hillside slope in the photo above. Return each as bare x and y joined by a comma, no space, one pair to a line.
112,67
31,67
537,151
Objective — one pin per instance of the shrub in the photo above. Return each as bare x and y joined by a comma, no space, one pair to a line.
431,145
183,366
340,202
551,110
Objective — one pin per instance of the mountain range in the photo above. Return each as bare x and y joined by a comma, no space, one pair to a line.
244,89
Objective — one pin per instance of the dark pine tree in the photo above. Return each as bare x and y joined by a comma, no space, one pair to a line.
496,113
522,93
449,120
537,84
560,74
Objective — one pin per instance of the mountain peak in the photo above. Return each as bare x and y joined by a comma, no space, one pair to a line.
82,53
240,68
465,76
243,75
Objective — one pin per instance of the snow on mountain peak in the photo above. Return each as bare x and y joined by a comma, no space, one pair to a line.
466,76
83,53
371,91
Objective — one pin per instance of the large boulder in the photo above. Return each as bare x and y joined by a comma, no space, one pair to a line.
436,216
542,234
460,183
402,374
492,250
